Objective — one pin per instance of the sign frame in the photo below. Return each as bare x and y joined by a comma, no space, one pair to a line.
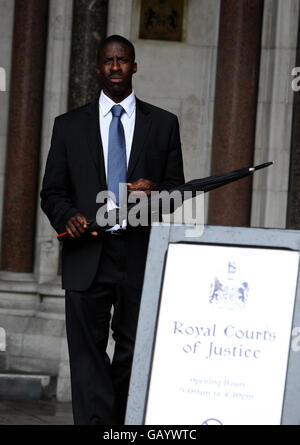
161,236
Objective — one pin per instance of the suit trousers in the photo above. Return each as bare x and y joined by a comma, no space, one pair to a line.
100,387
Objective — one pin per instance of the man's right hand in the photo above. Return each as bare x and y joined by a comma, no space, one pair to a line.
76,226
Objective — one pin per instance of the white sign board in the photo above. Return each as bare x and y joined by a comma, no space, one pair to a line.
223,336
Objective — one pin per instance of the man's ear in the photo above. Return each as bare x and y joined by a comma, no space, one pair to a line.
134,68
98,71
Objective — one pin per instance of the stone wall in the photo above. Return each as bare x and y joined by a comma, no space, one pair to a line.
180,77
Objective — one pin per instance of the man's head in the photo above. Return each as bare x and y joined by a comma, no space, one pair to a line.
116,65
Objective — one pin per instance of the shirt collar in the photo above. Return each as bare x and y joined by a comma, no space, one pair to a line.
106,103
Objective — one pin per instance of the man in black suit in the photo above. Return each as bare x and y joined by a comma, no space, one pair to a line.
105,270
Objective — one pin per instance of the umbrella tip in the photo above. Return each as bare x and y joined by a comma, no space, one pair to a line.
258,167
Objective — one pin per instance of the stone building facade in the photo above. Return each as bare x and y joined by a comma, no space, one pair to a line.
229,82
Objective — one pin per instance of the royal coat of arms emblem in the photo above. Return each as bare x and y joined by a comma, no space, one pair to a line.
229,290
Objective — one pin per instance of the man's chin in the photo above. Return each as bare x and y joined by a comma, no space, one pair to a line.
117,90
118,87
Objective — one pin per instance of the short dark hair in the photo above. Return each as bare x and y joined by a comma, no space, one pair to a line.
116,38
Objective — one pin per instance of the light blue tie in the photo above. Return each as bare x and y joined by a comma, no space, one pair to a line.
117,165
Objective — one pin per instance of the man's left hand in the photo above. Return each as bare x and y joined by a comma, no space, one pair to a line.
142,185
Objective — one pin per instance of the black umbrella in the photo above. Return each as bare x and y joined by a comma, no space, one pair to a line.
196,185
213,182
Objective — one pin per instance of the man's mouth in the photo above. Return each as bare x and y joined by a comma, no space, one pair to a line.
116,79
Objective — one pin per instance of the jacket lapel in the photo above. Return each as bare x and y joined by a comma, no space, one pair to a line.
94,140
141,130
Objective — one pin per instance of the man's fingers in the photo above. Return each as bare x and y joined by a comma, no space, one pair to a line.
70,232
82,220
73,229
94,233
136,188
78,224
143,185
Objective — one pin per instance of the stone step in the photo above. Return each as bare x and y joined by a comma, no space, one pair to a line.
17,386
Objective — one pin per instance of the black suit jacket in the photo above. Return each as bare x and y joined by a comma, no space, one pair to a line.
75,174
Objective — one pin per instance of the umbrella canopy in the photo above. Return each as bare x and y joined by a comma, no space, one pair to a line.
213,182
196,185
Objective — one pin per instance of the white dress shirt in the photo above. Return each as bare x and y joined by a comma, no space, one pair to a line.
128,121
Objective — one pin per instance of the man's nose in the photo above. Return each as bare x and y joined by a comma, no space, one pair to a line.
116,64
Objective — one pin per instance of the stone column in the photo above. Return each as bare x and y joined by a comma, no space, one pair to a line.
293,209
55,103
89,29
274,113
6,38
235,107
23,143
